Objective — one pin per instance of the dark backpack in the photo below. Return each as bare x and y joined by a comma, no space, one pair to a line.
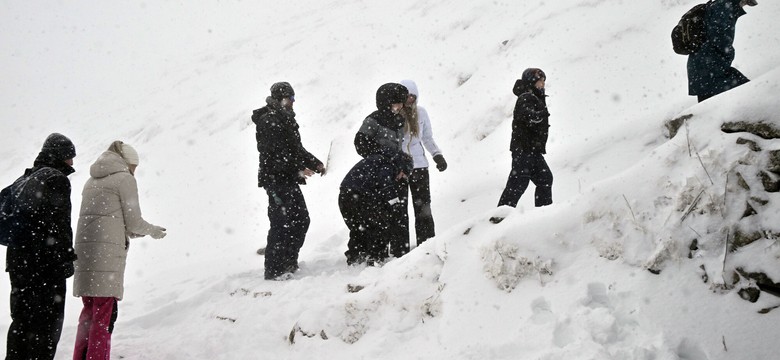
11,221
691,32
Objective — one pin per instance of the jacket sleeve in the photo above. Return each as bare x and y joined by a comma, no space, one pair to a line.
427,132
309,161
365,139
131,209
526,113
306,158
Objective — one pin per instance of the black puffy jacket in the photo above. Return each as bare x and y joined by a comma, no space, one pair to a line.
382,131
282,155
374,177
43,248
530,126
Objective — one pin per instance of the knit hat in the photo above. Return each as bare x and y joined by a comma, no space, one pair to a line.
58,147
533,75
129,154
281,90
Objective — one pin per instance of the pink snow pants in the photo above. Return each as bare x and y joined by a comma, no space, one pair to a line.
96,323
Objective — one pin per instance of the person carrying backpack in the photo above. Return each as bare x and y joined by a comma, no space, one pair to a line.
40,253
709,68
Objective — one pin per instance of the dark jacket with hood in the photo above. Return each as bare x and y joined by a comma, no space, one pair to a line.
383,129
43,244
282,155
709,68
530,126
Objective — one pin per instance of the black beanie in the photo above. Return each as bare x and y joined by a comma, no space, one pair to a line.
58,147
533,75
281,90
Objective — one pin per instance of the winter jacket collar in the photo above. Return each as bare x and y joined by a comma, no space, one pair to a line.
60,166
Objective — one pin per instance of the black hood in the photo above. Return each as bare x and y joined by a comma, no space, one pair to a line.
390,93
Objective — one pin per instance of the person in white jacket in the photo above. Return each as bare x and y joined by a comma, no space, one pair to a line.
110,215
418,137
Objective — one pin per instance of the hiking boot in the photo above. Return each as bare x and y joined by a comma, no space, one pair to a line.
283,277
496,219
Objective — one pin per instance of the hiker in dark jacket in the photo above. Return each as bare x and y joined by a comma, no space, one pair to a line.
284,165
709,69
41,256
382,132
530,128
367,199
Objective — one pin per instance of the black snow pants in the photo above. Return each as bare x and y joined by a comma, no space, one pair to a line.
369,227
528,166
289,220
37,313
399,222
419,184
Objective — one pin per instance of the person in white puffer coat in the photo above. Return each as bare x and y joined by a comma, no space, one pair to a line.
418,137
110,215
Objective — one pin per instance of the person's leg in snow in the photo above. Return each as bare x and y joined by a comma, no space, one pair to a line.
419,184
37,314
289,222
398,226
96,324
517,181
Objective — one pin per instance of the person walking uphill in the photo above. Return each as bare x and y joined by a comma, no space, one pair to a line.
418,136
530,129
284,165
382,133
40,253
110,215
709,68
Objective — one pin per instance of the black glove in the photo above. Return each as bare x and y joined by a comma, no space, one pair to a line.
441,164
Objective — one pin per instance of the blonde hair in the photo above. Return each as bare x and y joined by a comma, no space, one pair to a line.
411,120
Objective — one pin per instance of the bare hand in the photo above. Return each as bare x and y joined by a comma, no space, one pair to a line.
322,170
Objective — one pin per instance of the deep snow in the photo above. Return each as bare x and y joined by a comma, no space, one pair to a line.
179,81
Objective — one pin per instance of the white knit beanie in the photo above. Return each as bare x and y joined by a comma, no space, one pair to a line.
129,154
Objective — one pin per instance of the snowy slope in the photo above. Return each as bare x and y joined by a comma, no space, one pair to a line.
179,82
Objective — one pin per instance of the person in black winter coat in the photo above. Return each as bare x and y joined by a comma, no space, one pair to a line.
368,199
382,133
41,255
709,68
530,129
284,165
